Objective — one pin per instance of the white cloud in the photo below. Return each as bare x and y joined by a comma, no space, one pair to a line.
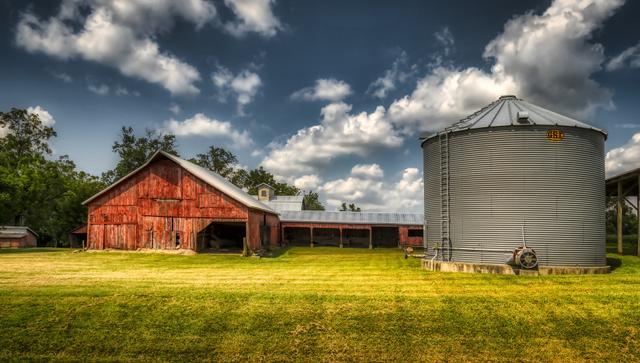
623,158
175,108
367,171
123,91
244,86
44,115
629,58
62,76
118,34
253,16
307,182
202,125
547,59
399,72
324,90
403,195
338,134
446,40
99,89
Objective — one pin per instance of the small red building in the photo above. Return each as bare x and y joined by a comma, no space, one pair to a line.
171,203
17,237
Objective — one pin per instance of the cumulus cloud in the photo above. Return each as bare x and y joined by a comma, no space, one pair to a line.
548,59
120,34
44,115
629,58
243,86
367,171
339,133
175,108
623,158
62,76
373,194
446,40
399,73
253,16
307,182
202,125
324,90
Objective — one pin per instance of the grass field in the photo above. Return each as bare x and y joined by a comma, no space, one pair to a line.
320,304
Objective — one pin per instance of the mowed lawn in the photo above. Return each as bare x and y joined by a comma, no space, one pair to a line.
307,304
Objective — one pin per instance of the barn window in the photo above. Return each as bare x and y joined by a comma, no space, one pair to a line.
177,239
415,233
263,193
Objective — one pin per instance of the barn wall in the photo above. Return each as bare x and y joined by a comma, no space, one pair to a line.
27,241
258,219
154,206
411,241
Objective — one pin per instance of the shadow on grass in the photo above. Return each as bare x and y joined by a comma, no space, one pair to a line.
277,252
614,262
34,250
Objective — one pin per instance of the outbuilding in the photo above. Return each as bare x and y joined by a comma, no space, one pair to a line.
17,237
170,203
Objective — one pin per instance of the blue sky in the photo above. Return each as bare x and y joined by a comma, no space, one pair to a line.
329,95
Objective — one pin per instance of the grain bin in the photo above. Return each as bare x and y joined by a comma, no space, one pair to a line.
511,175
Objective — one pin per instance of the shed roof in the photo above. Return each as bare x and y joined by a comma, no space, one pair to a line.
512,111
15,231
309,216
281,203
209,177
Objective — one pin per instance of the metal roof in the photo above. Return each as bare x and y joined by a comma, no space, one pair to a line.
309,216
284,203
512,111
15,231
209,177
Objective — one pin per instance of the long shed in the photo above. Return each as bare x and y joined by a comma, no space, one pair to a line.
17,237
170,203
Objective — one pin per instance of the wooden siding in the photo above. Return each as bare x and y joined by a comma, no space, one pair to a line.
27,241
161,202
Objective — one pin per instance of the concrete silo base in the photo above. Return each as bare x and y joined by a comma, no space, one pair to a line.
511,270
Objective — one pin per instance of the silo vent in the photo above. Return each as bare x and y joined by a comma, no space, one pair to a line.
523,116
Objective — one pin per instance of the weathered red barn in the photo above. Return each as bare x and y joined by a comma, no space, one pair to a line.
17,237
171,203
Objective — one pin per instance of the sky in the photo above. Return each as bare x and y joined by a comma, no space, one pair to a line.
330,96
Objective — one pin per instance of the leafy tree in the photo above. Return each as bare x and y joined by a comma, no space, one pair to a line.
217,160
629,219
311,201
41,193
258,176
134,151
349,208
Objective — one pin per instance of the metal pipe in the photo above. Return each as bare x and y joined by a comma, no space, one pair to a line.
476,249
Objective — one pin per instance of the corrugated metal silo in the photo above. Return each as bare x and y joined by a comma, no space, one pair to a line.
515,167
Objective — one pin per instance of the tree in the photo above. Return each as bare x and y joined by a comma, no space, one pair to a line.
258,176
40,193
350,208
311,201
629,219
217,160
134,151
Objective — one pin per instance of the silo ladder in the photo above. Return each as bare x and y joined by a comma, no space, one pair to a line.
444,196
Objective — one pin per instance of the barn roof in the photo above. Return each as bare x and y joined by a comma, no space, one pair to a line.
309,216
209,177
15,231
512,111
281,203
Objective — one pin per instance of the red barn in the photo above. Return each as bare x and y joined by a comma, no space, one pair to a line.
17,237
171,203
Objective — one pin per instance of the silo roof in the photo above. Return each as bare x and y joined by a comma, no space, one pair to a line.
512,111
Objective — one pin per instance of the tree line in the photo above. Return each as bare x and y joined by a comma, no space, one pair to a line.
45,193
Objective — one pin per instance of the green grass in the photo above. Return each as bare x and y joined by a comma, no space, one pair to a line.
629,244
320,304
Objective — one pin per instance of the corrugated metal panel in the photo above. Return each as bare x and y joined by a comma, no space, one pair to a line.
507,177
504,112
284,203
352,217
15,231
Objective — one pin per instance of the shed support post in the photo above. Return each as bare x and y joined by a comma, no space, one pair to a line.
311,240
619,220
341,237
370,238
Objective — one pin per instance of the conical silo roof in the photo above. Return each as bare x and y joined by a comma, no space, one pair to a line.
512,111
